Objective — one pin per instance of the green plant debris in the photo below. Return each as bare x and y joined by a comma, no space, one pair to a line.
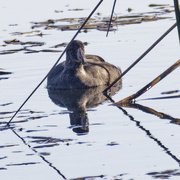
155,5
98,22
18,42
27,51
77,9
58,11
60,45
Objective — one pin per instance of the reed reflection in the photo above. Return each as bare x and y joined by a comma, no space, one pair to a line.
151,111
78,101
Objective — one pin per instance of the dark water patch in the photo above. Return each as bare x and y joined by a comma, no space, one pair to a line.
6,112
17,151
30,131
42,139
97,124
4,157
36,117
21,121
89,177
3,168
9,145
81,143
4,127
45,154
4,78
168,174
6,104
46,146
23,164
27,111
13,24
3,73
119,176
29,154
61,112
50,125
112,144
49,50
163,98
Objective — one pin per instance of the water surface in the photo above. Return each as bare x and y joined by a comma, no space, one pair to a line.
82,135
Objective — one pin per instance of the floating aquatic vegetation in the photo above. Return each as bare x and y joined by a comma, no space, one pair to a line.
60,45
75,23
171,92
77,9
58,11
18,42
98,22
101,23
165,174
29,33
26,51
157,5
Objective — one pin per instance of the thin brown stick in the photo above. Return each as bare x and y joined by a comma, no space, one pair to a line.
56,62
149,85
144,54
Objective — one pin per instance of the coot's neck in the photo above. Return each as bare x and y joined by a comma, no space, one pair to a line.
72,63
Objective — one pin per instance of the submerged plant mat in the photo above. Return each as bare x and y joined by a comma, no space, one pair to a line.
167,174
98,22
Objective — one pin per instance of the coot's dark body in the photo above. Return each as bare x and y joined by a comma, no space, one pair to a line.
81,71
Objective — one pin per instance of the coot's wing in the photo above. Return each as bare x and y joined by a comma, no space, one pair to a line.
94,57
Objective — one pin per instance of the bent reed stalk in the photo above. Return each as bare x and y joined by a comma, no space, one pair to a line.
131,98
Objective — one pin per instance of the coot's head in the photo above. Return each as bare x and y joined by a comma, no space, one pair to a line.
75,52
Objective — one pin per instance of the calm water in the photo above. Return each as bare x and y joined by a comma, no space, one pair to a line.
70,135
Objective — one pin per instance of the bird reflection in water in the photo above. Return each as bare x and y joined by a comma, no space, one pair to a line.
78,101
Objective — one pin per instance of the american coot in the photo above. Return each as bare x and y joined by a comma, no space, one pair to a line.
81,71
